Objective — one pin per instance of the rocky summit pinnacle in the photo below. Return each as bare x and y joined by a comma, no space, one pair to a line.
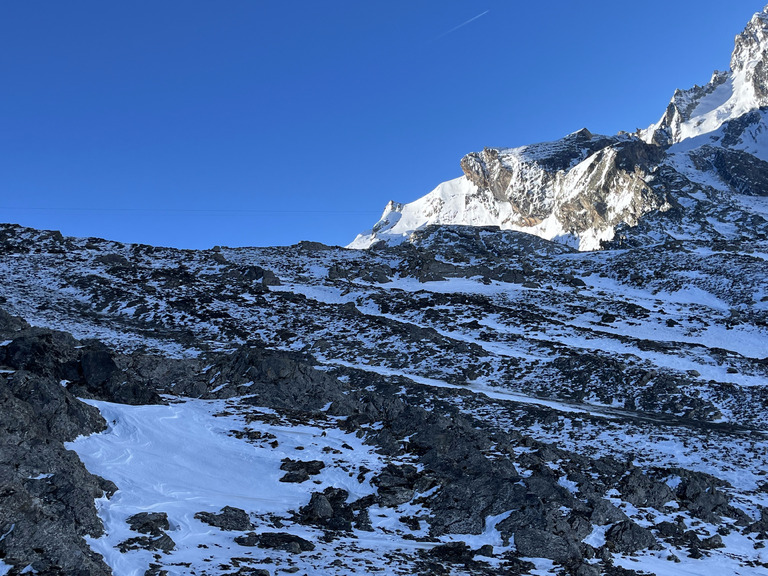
684,175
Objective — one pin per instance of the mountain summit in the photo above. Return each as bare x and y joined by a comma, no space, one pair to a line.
701,170
728,95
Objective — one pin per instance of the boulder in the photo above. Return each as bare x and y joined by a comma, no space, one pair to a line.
229,518
627,537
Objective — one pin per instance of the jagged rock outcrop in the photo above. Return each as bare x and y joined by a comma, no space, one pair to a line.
47,495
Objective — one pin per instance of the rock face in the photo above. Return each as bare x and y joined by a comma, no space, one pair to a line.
519,411
588,190
46,499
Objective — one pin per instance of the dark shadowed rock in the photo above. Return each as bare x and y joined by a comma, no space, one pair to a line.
276,541
229,518
162,543
152,523
534,543
396,484
318,509
10,324
298,471
98,368
453,552
627,537
330,510
606,513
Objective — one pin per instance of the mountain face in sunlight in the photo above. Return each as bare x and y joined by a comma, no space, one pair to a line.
707,152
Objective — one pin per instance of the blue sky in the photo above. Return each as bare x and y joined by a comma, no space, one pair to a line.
195,123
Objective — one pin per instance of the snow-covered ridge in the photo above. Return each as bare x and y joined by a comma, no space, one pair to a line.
728,95
587,190
574,190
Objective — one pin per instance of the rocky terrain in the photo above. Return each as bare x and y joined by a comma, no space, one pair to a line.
475,401
455,399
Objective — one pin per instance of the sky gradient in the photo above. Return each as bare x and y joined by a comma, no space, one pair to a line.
246,122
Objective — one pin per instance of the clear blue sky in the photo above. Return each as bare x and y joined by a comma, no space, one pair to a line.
193,123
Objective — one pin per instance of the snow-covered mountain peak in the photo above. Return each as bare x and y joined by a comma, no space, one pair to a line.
727,96
591,191
752,43
573,190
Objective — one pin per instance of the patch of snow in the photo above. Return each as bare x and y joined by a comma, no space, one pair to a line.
596,538
180,459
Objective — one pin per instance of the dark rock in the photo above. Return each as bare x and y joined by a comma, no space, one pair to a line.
279,379
276,541
152,523
10,324
485,550
162,543
155,570
671,530
228,518
112,259
712,542
330,511
396,484
44,518
761,526
98,368
42,352
699,494
534,543
299,471
453,552
103,380
643,491
319,508
587,570
312,467
250,539
627,537
296,477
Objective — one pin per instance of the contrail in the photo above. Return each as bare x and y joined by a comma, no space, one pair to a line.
452,30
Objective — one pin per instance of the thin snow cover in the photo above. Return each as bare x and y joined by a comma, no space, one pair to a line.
489,391
756,204
180,459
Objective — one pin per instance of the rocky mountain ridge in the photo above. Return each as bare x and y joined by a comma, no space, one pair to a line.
589,190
